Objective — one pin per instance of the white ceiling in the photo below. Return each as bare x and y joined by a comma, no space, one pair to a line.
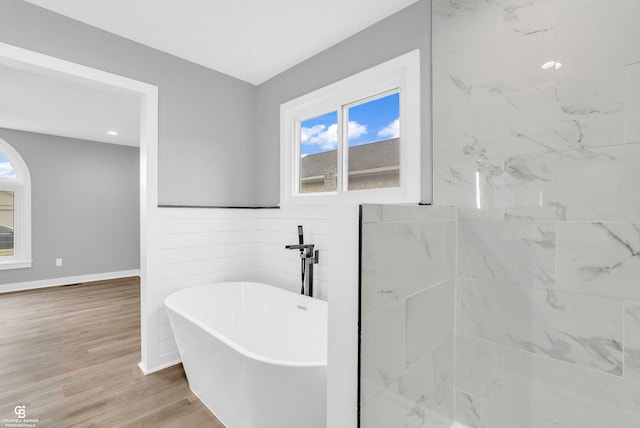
35,102
252,40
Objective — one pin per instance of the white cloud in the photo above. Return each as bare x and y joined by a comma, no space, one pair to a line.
307,133
327,137
356,129
392,130
6,171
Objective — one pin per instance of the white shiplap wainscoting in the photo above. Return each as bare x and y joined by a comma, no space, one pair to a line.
194,246
202,245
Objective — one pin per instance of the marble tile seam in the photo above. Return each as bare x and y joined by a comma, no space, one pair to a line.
508,348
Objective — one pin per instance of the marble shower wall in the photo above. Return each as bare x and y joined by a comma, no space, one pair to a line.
407,316
544,168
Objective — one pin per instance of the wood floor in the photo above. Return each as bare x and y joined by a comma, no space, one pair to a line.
70,355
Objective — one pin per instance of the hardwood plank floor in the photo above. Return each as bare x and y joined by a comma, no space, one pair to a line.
70,355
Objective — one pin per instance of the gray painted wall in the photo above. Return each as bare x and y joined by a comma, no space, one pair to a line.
400,33
85,206
205,116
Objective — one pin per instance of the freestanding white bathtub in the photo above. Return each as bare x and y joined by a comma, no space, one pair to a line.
255,355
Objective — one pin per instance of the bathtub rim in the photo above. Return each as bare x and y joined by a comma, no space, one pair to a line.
234,345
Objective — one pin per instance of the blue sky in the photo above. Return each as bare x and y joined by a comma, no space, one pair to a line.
376,120
6,170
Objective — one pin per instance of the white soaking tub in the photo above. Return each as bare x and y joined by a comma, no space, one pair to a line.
255,355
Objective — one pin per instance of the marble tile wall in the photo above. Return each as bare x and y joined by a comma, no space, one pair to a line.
544,168
407,316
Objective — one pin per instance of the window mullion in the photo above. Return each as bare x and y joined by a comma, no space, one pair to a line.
343,149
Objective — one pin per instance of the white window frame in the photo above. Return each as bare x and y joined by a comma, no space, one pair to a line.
21,186
402,74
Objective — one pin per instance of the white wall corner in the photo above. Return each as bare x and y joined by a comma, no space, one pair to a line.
342,358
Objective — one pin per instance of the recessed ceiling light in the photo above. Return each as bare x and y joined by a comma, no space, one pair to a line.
548,65
112,132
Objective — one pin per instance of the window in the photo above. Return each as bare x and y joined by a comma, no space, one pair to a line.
318,154
373,138
355,140
15,210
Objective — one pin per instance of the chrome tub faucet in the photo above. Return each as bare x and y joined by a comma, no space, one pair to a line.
308,257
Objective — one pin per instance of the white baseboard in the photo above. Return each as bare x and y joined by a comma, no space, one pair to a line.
55,282
146,371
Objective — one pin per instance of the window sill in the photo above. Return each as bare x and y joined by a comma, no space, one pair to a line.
372,196
15,264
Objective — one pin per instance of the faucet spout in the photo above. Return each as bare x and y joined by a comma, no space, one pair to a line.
300,247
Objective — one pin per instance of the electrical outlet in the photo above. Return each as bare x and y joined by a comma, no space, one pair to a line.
58,262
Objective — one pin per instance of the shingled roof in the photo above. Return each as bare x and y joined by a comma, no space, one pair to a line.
361,158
